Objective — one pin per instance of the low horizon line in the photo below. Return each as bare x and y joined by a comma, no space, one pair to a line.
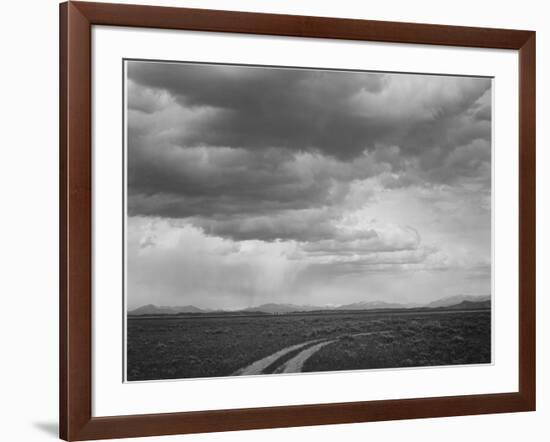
309,305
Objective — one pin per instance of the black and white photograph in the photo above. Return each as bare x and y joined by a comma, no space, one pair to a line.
244,221
292,219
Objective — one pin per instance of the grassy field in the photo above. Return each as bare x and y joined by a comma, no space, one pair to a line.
191,347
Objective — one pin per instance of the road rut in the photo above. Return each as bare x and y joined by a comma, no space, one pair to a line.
259,366
296,363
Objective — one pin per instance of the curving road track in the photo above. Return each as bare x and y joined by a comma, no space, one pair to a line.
296,363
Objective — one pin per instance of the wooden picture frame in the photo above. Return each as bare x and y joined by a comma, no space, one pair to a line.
76,21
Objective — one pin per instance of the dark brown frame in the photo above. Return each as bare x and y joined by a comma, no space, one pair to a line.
76,421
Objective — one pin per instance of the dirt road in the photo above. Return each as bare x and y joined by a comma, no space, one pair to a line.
259,366
296,362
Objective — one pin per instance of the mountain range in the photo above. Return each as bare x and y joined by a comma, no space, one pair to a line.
466,302
151,309
453,300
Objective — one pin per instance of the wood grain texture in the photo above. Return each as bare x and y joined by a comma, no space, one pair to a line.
63,292
299,26
76,421
295,416
76,222
527,220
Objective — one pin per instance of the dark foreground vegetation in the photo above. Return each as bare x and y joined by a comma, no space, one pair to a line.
196,346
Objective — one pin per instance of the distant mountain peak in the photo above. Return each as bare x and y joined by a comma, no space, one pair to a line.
456,301
152,309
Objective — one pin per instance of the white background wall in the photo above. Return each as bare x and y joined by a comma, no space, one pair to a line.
29,219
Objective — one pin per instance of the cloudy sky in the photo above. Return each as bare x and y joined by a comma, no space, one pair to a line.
249,185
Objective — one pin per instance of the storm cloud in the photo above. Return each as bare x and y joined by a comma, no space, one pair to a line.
347,173
337,113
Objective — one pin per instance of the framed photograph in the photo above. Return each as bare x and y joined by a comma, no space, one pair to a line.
273,220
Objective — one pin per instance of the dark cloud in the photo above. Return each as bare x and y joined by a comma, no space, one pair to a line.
470,161
306,225
263,108
264,153
208,181
338,113
403,240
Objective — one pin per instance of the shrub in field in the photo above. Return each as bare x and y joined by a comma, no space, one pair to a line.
457,339
170,348
347,338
